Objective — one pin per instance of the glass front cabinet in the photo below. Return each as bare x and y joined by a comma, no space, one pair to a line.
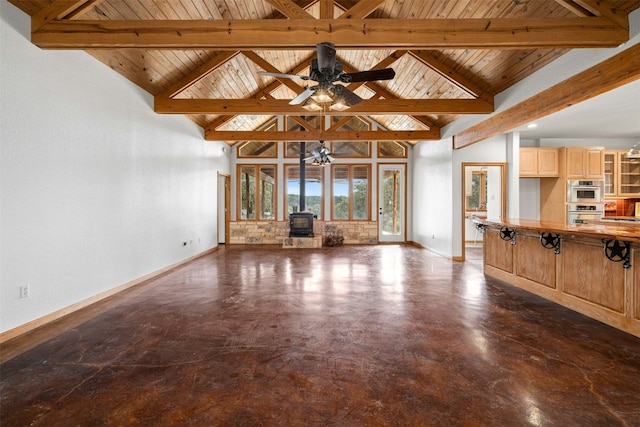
621,174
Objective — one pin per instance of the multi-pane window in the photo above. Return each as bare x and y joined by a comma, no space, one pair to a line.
350,191
477,195
257,192
312,189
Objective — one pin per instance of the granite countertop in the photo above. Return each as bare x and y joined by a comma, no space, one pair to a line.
602,229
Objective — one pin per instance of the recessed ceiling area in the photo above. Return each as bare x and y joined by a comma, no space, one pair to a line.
614,114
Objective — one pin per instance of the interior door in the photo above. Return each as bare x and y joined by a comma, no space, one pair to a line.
391,203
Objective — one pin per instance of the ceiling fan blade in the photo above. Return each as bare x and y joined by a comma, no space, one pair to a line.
368,76
326,57
348,96
288,76
303,96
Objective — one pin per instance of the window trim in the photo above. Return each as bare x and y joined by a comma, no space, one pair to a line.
258,195
351,166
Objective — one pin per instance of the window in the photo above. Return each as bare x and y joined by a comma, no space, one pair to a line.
268,149
350,188
313,189
257,192
391,149
477,197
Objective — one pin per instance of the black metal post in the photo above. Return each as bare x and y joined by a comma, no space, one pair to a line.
303,176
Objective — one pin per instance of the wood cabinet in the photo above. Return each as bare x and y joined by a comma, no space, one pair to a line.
610,171
621,174
538,162
584,162
579,277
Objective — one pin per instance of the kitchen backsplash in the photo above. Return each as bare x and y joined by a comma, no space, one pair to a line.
620,207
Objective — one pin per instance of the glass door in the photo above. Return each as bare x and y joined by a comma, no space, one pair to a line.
391,203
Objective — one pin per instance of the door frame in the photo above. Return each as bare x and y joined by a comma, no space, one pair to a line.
503,177
224,216
379,195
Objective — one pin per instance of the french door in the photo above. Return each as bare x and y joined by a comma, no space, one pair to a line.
391,202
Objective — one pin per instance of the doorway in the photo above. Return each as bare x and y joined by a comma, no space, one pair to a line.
484,190
391,203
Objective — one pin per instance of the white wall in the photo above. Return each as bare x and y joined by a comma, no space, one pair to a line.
96,190
431,173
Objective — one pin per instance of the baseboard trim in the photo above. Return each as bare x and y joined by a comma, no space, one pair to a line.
56,315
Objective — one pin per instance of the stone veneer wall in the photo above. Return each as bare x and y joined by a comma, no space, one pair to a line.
274,232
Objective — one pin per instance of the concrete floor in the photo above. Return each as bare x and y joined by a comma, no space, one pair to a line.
388,335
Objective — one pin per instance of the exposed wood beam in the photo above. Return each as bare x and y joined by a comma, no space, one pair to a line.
198,74
367,107
314,135
343,121
262,93
451,75
574,8
289,9
302,122
381,91
82,9
261,62
326,9
614,72
362,9
606,9
414,34
54,11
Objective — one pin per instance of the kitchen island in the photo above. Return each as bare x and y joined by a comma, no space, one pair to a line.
593,269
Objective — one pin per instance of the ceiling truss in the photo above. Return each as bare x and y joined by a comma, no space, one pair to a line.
596,23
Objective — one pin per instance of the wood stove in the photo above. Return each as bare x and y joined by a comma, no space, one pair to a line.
301,224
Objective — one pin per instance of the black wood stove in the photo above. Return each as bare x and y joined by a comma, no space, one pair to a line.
301,224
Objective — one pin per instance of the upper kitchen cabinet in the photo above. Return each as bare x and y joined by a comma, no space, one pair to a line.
536,162
621,174
584,162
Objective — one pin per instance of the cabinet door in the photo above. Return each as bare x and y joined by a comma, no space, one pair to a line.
575,162
594,163
528,162
628,176
610,170
548,162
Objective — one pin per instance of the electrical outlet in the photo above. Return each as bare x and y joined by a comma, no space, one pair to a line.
25,291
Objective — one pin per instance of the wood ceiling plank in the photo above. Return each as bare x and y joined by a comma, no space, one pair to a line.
612,73
258,60
289,9
348,33
362,9
314,135
198,74
574,8
279,106
451,75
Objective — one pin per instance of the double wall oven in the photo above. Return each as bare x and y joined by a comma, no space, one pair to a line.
585,201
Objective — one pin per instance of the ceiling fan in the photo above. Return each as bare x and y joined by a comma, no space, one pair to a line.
326,71
321,156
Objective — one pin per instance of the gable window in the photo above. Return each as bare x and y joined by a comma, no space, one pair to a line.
350,192
257,192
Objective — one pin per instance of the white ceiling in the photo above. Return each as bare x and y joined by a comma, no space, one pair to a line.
614,114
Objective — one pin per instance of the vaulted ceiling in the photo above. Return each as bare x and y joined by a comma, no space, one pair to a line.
201,57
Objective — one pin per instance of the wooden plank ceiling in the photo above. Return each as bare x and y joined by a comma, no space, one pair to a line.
201,57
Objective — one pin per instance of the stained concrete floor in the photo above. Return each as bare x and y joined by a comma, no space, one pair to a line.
388,335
